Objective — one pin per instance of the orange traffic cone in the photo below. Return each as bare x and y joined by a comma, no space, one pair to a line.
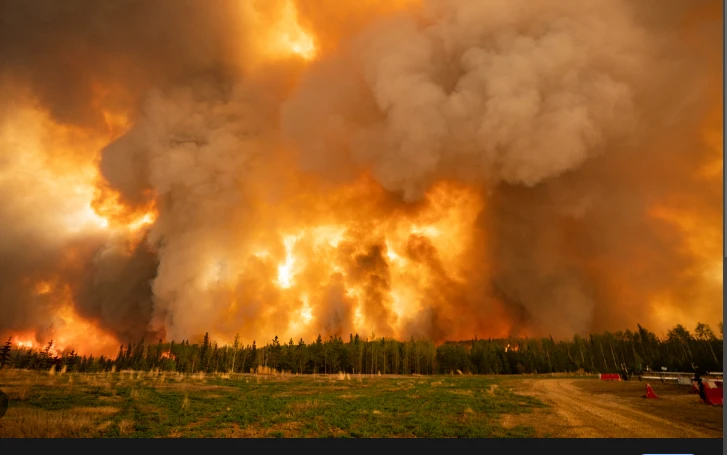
650,392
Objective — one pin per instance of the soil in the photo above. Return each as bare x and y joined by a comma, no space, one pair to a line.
588,408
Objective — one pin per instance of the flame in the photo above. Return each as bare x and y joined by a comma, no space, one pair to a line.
73,331
365,261
26,344
285,270
281,36
69,330
292,36
55,168
303,318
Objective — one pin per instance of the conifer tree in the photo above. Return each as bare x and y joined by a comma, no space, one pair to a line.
5,353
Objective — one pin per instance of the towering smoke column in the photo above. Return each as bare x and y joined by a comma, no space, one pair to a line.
440,169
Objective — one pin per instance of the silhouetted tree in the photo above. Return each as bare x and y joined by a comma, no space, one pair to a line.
598,353
5,353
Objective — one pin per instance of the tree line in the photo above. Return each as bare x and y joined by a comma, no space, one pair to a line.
608,352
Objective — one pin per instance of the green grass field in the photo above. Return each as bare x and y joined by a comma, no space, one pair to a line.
137,404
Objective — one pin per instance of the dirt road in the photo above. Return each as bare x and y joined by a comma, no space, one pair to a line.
587,408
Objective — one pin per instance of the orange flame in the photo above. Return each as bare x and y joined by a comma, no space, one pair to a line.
282,36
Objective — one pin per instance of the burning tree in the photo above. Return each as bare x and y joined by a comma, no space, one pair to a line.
5,353
48,356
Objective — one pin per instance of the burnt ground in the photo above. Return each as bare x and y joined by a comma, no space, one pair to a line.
589,408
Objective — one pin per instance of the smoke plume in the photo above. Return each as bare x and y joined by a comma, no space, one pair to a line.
434,168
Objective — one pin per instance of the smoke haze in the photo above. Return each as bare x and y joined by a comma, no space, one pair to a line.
434,168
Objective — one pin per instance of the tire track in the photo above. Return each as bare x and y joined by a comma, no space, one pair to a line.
584,415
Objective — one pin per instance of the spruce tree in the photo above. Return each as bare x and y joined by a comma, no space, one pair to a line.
235,347
203,352
253,355
5,353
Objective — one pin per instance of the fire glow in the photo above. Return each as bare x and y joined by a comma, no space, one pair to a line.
433,169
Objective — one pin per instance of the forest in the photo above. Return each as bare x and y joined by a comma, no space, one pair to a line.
609,352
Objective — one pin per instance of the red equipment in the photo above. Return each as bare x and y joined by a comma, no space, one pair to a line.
713,395
609,377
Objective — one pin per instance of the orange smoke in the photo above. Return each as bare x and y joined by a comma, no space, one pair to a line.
436,169
342,267
54,167
68,330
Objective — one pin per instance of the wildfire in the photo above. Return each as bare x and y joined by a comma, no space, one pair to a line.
285,270
55,169
53,350
24,344
339,271
68,329
71,330
281,36
264,249
117,220
386,265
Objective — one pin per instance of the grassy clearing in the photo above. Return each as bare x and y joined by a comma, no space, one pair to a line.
130,404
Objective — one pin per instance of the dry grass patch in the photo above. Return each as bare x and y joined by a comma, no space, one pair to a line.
335,431
39,423
297,393
182,386
235,431
185,402
466,392
19,392
305,405
126,427
99,410
215,387
285,429
538,420
104,426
